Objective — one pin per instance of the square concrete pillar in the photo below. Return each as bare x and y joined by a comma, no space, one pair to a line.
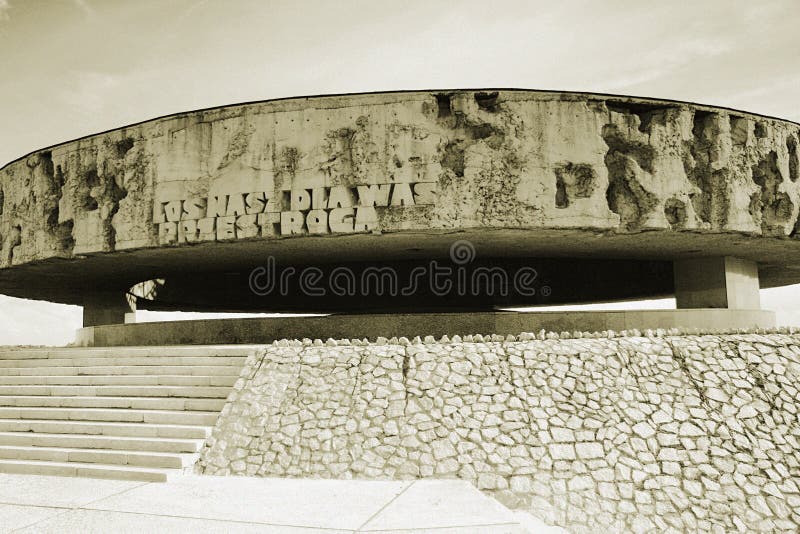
721,282
105,307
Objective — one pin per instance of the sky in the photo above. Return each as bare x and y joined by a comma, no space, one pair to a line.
70,68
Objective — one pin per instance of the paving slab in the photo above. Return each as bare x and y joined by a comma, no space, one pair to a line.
338,504
192,503
59,492
464,529
100,522
439,504
13,516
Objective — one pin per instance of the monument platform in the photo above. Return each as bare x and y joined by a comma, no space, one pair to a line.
373,326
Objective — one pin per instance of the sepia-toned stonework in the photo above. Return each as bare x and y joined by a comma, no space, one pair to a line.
667,433
415,164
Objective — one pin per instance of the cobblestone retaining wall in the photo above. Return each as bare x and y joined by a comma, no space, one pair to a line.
661,433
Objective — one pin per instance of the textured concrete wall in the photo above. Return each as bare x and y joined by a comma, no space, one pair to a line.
510,160
668,433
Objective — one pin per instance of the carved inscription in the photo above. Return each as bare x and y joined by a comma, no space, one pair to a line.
323,210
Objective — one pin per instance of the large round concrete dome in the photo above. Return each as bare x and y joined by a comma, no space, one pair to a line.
559,178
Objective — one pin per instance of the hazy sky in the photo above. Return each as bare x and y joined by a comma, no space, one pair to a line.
74,67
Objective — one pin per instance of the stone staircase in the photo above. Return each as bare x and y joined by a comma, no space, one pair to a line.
133,413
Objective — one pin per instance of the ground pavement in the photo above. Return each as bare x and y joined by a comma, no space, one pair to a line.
34,503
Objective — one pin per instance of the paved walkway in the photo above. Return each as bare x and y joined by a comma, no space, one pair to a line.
31,503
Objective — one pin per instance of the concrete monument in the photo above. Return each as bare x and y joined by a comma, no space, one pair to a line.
604,197
398,205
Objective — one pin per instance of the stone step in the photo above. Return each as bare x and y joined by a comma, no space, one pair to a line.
183,370
136,403
122,380
116,415
216,351
128,361
130,413
139,430
72,469
98,456
217,392
148,444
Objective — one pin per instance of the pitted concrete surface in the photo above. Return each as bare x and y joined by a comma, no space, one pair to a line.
39,504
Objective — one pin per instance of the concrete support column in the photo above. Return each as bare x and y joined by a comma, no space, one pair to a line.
108,307
721,282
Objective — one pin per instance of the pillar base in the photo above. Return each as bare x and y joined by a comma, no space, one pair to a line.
105,308
721,282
